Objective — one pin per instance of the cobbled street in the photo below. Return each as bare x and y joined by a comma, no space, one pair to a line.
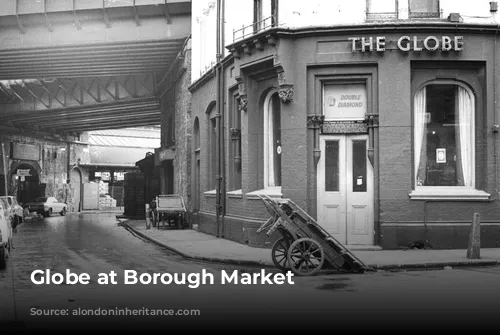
96,243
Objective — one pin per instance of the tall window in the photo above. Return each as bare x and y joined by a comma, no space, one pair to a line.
423,8
212,149
265,13
257,14
391,9
196,151
272,140
235,151
444,136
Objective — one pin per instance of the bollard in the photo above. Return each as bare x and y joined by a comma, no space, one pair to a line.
148,217
473,250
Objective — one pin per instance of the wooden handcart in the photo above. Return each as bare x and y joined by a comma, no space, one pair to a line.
304,245
168,208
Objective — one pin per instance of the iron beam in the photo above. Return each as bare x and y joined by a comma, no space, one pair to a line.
107,119
120,113
78,110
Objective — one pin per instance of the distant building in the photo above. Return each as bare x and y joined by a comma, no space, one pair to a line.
114,152
45,166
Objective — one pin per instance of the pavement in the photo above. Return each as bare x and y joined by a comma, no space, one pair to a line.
193,244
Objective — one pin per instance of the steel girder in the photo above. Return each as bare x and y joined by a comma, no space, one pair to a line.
93,67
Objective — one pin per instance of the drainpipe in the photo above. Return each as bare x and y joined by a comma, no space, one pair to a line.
68,167
68,171
495,110
218,125
5,167
222,104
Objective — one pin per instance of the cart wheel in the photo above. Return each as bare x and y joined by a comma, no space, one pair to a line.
279,254
305,256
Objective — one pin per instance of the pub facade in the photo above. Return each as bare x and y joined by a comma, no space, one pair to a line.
379,119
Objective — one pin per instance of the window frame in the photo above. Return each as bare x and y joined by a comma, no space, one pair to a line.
235,173
260,11
374,16
446,192
267,131
424,15
212,151
257,15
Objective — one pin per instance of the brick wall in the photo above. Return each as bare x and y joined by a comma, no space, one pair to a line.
176,126
398,219
51,166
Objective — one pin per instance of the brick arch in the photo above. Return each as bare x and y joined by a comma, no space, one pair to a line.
31,188
15,165
210,107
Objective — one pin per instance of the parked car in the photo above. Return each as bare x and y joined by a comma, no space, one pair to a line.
5,237
12,210
45,206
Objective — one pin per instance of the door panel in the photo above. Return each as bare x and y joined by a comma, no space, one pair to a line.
332,187
76,181
332,214
360,218
360,195
90,196
345,189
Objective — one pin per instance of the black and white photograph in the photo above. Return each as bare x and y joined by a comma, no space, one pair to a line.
249,165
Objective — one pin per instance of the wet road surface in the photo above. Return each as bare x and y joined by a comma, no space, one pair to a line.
96,243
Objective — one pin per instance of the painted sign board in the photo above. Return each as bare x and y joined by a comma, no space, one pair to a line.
344,101
25,151
408,43
166,154
23,172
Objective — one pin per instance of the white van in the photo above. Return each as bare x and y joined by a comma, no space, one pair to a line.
5,237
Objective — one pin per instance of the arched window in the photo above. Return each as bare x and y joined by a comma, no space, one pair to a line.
196,134
212,148
272,140
444,141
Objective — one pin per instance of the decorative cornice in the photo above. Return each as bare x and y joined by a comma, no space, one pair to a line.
247,48
258,44
399,27
235,134
235,52
344,127
286,93
271,39
372,120
243,102
315,121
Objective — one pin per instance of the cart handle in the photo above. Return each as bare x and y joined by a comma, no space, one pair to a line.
265,225
274,226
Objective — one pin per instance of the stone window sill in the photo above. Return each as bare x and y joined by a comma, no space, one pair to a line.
210,194
274,192
235,194
448,193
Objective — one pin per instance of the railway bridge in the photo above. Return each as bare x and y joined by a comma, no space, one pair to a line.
72,66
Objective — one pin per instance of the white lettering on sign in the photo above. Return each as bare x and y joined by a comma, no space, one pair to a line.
23,172
408,43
